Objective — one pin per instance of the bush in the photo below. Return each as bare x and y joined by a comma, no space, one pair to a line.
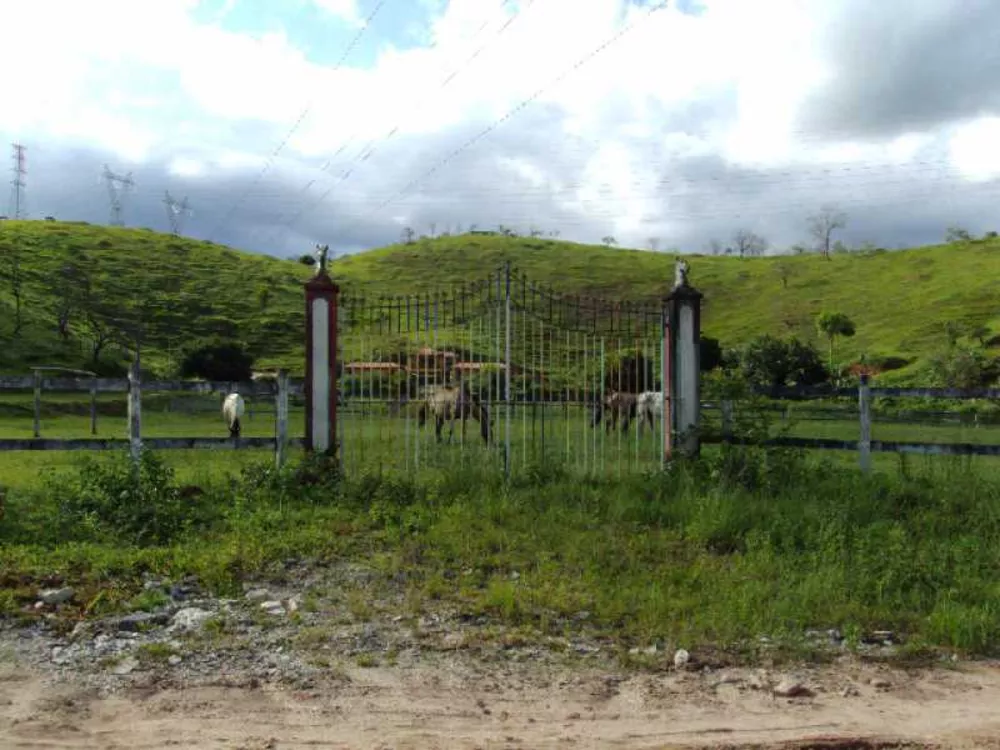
711,354
964,368
229,362
112,501
774,363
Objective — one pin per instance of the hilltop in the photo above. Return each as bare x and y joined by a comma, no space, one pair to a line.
193,289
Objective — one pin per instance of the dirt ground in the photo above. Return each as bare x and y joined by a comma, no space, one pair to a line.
461,704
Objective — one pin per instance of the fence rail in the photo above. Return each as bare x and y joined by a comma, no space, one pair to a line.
864,445
280,389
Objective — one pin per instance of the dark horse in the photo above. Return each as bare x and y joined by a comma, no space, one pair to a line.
616,405
451,403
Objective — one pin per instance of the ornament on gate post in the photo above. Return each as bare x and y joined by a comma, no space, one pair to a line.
322,298
684,314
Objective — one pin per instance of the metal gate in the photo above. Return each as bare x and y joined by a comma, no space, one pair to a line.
501,373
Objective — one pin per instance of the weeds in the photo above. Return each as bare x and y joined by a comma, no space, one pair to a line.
720,551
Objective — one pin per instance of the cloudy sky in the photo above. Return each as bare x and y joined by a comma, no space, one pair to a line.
289,122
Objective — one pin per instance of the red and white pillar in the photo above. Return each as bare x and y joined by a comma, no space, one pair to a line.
321,363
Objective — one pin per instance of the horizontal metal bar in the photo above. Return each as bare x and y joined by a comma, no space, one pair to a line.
823,392
882,446
179,443
120,385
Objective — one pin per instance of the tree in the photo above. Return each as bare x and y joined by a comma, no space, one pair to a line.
715,247
227,361
653,243
774,363
609,241
433,228
14,270
407,235
63,286
832,325
823,224
957,234
710,354
307,260
746,243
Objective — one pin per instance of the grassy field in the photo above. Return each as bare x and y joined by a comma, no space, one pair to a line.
719,552
258,299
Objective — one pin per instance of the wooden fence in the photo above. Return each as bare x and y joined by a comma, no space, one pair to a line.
864,446
279,390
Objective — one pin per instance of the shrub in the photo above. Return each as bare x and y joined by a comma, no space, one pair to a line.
229,361
774,363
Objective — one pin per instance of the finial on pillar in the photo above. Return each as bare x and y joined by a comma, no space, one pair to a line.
680,273
321,253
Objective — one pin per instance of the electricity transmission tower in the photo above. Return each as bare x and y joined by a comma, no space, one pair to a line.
17,185
176,210
118,186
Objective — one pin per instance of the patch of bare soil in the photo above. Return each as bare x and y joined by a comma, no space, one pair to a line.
460,702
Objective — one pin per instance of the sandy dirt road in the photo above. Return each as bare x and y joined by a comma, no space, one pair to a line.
461,705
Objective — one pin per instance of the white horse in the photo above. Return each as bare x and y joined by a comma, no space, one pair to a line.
232,410
649,404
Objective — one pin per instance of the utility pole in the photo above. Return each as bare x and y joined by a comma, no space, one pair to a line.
118,186
176,211
17,185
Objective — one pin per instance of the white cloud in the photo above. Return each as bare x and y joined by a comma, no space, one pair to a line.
146,80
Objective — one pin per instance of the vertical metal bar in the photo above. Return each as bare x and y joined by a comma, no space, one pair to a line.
601,375
566,396
727,420
507,371
135,412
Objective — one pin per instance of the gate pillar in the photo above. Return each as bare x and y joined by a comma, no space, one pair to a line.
684,317
322,296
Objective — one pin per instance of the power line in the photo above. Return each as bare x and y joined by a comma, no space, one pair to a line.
496,124
18,183
370,148
298,122
118,186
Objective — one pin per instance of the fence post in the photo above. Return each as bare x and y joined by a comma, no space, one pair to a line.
507,372
93,406
281,409
667,420
864,410
684,303
321,359
727,421
38,403
134,412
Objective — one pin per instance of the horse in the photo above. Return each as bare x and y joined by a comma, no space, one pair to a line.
649,404
619,405
232,410
451,403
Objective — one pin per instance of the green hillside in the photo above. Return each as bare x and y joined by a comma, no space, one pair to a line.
187,289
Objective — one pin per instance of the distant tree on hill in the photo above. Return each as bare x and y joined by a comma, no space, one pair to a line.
307,260
433,228
747,243
653,243
535,232
407,235
823,224
832,325
715,247
957,234
609,241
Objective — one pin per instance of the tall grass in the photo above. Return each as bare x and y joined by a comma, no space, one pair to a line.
744,543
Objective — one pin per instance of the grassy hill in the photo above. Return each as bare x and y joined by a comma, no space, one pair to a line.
899,300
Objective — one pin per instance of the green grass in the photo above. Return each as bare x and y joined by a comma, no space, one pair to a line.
899,299
716,552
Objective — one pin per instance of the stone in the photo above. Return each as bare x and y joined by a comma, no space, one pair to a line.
273,607
174,660
258,595
880,683
789,688
125,666
136,622
681,658
190,618
56,596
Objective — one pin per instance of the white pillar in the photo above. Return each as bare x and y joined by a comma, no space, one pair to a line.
321,363
684,302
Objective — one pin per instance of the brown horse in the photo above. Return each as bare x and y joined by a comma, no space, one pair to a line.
451,403
616,405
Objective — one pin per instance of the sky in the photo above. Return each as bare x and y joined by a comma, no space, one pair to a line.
287,123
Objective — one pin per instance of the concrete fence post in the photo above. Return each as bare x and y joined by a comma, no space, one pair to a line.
684,305
322,297
864,413
134,412
281,422
38,403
